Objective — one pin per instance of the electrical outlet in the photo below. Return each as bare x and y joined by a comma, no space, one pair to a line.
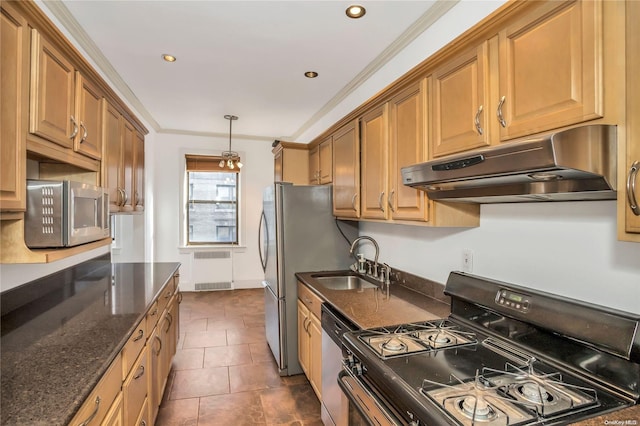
467,260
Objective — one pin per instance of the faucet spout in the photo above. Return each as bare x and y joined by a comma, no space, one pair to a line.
365,237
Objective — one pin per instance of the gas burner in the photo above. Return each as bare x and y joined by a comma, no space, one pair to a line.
393,345
535,393
476,409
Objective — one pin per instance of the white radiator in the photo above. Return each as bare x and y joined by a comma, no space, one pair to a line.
212,270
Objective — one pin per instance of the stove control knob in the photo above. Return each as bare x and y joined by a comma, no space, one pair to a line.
351,360
357,369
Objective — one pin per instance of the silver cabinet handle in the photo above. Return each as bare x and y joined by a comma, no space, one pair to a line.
179,297
75,127
95,411
353,201
169,322
380,205
140,374
476,121
390,200
499,112
139,336
84,132
159,345
631,188
137,198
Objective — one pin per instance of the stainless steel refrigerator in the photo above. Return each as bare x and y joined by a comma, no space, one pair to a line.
298,233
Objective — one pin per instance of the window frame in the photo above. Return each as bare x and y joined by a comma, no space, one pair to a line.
186,201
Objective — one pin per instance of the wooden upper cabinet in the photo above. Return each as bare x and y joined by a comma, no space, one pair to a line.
14,113
112,160
128,145
52,93
374,143
89,114
346,171
320,163
459,94
325,171
629,164
407,146
291,163
138,163
314,165
550,68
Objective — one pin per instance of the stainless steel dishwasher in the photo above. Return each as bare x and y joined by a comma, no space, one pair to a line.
335,405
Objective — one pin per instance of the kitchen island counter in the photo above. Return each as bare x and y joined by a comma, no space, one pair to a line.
60,333
370,307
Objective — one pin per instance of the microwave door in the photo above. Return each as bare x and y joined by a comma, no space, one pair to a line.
86,219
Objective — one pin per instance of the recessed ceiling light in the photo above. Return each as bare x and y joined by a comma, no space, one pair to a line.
355,11
311,74
168,58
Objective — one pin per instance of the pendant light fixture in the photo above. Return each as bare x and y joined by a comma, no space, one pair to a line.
230,159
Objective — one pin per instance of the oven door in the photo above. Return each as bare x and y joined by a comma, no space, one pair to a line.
366,407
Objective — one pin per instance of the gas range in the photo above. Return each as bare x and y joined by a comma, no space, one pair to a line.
540,359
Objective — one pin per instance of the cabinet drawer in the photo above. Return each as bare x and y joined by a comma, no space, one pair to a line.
309,299
133,347
143,416
153,315
114,416
165,295
134,390
96,406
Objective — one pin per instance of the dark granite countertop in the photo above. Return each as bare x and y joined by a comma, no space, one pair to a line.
369,307
60,333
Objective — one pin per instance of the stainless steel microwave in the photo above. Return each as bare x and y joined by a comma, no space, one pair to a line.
65,213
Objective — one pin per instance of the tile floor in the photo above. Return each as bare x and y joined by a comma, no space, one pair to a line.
224,373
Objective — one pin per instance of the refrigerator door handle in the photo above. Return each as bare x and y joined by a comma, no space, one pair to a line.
263,257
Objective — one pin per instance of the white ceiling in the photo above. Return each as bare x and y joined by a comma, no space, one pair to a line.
245,58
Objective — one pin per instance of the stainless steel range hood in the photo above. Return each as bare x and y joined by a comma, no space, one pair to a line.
575,164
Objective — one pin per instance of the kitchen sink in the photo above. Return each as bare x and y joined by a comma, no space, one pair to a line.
344,282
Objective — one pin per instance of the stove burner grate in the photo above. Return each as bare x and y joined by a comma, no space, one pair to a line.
416,337
510,396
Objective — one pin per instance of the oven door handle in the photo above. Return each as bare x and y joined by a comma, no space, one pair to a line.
367,404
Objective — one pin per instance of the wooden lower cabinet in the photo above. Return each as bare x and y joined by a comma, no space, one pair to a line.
131,390
114,415
95,408
310,337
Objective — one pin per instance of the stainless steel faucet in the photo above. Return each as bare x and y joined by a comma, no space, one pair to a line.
375,244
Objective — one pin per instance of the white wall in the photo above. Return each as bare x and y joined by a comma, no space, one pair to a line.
167,154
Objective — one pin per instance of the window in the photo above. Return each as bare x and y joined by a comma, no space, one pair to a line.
212,202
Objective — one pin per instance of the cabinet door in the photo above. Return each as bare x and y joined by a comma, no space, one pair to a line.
303,338
346,171
459,105
629,220
128,143
315,354
89,115
138,161
407,146
550,68
114,416
154,347
51,98
325,166
135,389
314,165
14,92
112,170
373,145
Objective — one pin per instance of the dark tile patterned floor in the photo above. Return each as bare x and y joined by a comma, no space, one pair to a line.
224,372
